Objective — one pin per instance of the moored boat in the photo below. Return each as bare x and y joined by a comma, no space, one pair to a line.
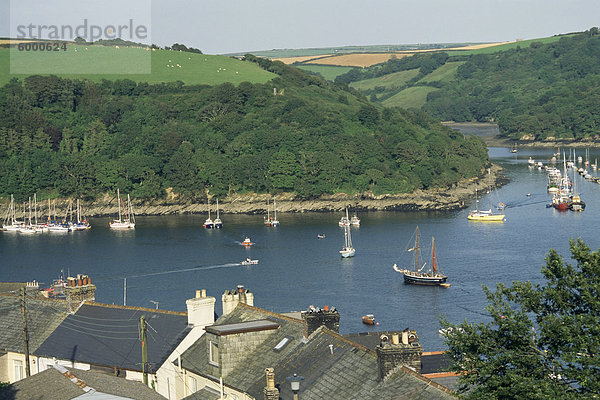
126,218
249,261
247,242
218,224
345,221
347,250
368,319
431,277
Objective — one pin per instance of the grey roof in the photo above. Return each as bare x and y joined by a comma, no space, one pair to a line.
43,316
108,335
242,327
334,367
195,358
11,287
53,385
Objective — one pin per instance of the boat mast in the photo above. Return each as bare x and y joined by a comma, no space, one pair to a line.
433,254
119,204
217,208
417,251
275,209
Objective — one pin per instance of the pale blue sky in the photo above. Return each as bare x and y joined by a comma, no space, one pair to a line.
235,26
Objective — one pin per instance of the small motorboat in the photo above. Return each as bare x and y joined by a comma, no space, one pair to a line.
321,236
249,261
368,319
247,242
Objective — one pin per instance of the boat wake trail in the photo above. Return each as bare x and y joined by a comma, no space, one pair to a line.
198,268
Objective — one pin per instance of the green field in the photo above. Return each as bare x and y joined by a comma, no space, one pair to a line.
328,72
103,62
395,79
413,97
445,73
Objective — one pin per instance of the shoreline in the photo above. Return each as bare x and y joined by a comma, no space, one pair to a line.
456,197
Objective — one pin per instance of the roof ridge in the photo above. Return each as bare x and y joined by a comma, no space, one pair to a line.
271,313
152,310
323,329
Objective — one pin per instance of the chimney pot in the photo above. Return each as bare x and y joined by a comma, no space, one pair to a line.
270,372
203,293
396,338
326,308
404,337
198,294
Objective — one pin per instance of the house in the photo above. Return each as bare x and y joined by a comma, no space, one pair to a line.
58,382
243,345
107,338
43,317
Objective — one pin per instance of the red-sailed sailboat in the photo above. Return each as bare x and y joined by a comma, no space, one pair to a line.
431,277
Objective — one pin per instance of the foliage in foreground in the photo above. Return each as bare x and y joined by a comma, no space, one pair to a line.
543,341
297,133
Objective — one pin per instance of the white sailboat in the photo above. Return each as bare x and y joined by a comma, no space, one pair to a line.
347,250
126,218
80,225
485,215
208,224
10,222
30,227
271,221
218,224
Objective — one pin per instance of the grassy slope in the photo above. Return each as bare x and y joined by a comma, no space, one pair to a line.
328,72
445,73
413,97
395,79
99,62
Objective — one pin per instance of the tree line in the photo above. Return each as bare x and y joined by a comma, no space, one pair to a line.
297,133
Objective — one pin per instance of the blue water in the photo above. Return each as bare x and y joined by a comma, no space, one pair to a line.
296,269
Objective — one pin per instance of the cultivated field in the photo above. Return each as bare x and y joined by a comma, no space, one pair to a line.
413,97
104,62
395,79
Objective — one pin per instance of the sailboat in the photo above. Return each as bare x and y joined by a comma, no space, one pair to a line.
347,250
484,215
218,224
30,227
10,222
126,218
514,149
271,221
80,225
208,224
431,277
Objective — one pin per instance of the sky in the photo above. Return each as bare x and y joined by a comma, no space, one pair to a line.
228,26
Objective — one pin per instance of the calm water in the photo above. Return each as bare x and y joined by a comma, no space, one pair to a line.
297,270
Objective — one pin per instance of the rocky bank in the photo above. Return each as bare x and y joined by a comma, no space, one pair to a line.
453,198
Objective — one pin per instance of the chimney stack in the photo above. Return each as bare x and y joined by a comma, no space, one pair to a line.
270,391
393,353
231,298
78,291
316,317
201,309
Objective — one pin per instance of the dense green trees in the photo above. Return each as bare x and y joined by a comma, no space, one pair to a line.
545,90
78,138
543,341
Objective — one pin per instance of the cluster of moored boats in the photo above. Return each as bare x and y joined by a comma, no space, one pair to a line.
30,223
564,189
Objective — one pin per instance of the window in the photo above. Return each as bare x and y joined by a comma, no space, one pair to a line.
281,344
214,353
18,370
192,384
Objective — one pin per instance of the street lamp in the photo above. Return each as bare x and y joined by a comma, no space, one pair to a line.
155,303
295,384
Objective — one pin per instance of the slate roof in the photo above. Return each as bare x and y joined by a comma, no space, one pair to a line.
334,367
53,385
195,359
43,317
108,335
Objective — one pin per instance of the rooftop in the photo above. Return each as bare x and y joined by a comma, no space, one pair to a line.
109,335
65,384
242,327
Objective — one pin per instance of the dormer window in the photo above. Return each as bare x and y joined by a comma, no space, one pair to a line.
214,353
